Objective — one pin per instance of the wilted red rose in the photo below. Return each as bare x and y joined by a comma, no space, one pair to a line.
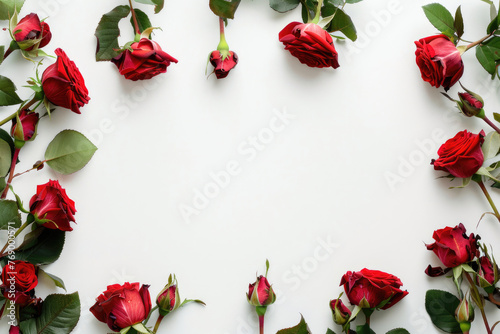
63,84
461,156
310,44
223,63
341,313
30,29
26,129
19,279
453,247
261,293
372,288
52,203
121,306
439,61
145,61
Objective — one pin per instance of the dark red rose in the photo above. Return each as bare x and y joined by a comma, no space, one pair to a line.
309,43
145,61
488,272
223,63
461,156
471,100
27,130
121,306
63,84
19,279
29,29
372,289
261,293
453,247
52,203
439,61
341,313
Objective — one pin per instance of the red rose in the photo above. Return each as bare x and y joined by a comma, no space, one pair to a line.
145,61
311,44
261,293
488,272
121,306
223,63
372,289
439,61
19,278
29,29
27,130
461,156
51,203
341,313
63,84
453,247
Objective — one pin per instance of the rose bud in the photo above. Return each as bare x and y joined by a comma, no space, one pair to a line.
223,62
470,105
439,61
461,156
372,289
30,32
24,126
122,306
310,44
19,279
487,274
261,293
52,207
464,315
63,84
145,61
168,299
341,314
453,247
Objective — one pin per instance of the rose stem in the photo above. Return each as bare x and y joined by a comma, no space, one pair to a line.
488,197
481,307
11,175
471,45
318,12
9,118
261,324
493,300
26,106
367,320
7,53
158,322
26,224
136,25
223,46
490,123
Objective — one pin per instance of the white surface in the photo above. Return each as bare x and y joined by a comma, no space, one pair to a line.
321,179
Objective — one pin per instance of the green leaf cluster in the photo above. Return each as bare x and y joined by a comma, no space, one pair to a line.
443,20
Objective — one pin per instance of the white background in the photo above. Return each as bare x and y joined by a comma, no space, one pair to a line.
322,179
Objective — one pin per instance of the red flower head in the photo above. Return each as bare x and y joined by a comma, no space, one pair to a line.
19,279
261,293
30,29
51,203
63,84
27,130
341,313
310,44
223,63
439,61
168,299
145,61
121,306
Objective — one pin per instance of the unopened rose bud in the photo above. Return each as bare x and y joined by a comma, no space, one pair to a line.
24,126
223,62
31,32
464,315
470,104
341,313
168,299
261,293
487,274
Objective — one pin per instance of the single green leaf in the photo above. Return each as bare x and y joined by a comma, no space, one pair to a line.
343,23
8,7
107,33
224,8
2,53
398,331
329,331
496,116
301,328
353,1
60,314
440,18
142,20
364,329
495,19
283,6
4,135
8,96
9,213
459,22
488,53
157,3
334,3
69,152
491,145
57,281
46,248
441,307
5,158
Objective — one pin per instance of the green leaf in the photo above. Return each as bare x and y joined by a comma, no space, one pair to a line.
440,18
2,53
441,307
488,53
364,329
157,3
9,213
5,157
57,281
495,19
8,7
329,331
45,249
224,8
398,331
8,96
107,33
496,116
301,328
353,1
341,22
142,20
283,6
60,314
491,145
309,8
69,152
459,22
4,135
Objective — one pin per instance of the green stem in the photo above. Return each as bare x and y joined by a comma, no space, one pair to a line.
11,174
150,313
158,322
318,12
490,200
23,226
490,123
223,46
23,106
479,304
7,53
471,45
134,18
9,118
